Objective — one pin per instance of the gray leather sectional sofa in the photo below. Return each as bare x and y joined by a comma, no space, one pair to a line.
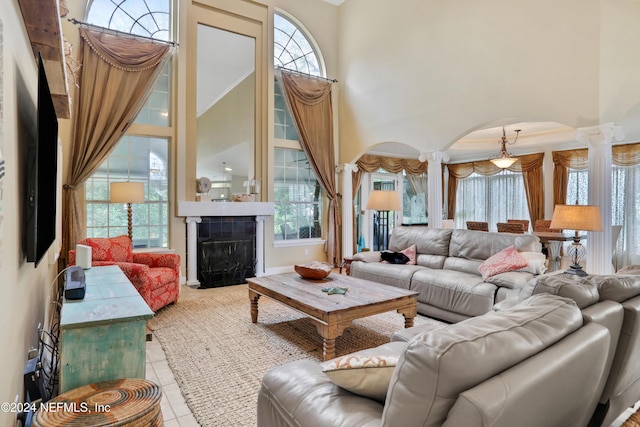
534,364
565,351
446,271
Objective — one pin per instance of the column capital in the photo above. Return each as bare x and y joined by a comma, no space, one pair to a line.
600,134
193,219
261,218
433,156
346,167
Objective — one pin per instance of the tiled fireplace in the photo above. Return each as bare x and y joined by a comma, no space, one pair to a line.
226,250
225,241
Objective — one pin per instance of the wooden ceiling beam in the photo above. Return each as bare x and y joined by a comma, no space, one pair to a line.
42,20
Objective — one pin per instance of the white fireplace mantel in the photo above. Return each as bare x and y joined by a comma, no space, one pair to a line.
193,213
225,208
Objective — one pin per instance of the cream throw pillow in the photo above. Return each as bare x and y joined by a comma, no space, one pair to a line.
364,375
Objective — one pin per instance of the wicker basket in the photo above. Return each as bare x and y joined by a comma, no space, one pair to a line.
313,271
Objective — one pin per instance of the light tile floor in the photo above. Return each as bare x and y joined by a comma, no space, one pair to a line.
175,411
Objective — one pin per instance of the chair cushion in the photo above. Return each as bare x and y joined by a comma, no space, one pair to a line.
117,249
160,276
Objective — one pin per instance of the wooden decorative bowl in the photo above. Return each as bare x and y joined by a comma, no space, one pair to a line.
313,271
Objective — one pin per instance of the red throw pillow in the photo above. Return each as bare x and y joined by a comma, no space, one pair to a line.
508,259
410,252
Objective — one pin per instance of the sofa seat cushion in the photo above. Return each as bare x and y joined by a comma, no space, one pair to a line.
454,291
398,275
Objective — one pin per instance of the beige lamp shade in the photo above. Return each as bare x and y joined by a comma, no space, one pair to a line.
577,217
126,192
384,200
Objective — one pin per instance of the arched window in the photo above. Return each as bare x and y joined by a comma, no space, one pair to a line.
144,18
293,49
139,156
297,192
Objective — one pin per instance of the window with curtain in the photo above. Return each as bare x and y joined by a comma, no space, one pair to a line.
139,156
297,197
625,206
414,199
137,159
492,199
297,193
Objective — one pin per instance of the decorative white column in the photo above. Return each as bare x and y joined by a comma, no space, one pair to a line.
599,248
434,196
260,244
192,249
347,207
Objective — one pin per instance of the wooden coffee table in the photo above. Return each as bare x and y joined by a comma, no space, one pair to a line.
332,314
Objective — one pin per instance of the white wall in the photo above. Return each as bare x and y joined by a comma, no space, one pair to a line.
25,289
428,72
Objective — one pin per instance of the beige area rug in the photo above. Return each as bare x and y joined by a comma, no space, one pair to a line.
218,356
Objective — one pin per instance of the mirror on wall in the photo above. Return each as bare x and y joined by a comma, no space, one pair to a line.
225,106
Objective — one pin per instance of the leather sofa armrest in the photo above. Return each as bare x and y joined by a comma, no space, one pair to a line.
370,256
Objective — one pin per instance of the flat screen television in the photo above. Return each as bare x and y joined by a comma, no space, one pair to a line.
41,173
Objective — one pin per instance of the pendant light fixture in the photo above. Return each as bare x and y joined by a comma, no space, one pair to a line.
505,159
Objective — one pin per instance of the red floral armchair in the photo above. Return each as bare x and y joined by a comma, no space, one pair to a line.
156,276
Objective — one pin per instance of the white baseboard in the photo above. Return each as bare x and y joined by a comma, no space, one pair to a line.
279,270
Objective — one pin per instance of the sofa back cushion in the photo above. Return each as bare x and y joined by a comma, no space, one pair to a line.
480,245
116,249
439,365
429,241
615,287
431,261
583,293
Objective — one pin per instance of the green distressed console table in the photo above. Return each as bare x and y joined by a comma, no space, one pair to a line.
103,336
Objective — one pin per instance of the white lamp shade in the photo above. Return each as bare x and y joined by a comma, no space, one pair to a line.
384,200
126,192
577,217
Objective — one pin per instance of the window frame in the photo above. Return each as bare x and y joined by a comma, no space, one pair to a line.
142,129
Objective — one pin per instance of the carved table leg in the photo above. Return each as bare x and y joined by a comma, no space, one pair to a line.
253,299
329,333
409,313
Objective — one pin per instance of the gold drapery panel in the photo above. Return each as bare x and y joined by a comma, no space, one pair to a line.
621,155
311,107
529,165
371,163
112,66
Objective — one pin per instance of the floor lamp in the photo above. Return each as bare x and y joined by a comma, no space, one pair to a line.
127,192
383,201
578,218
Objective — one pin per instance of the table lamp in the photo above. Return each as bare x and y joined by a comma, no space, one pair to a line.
578,218
127,192
383,201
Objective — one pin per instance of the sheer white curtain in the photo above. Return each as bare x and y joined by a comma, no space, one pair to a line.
493,199
625,186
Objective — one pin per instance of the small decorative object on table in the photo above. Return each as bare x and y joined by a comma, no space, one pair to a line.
314,270
335,290
243,198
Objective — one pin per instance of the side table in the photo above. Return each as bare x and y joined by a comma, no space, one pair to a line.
346,263
103,336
